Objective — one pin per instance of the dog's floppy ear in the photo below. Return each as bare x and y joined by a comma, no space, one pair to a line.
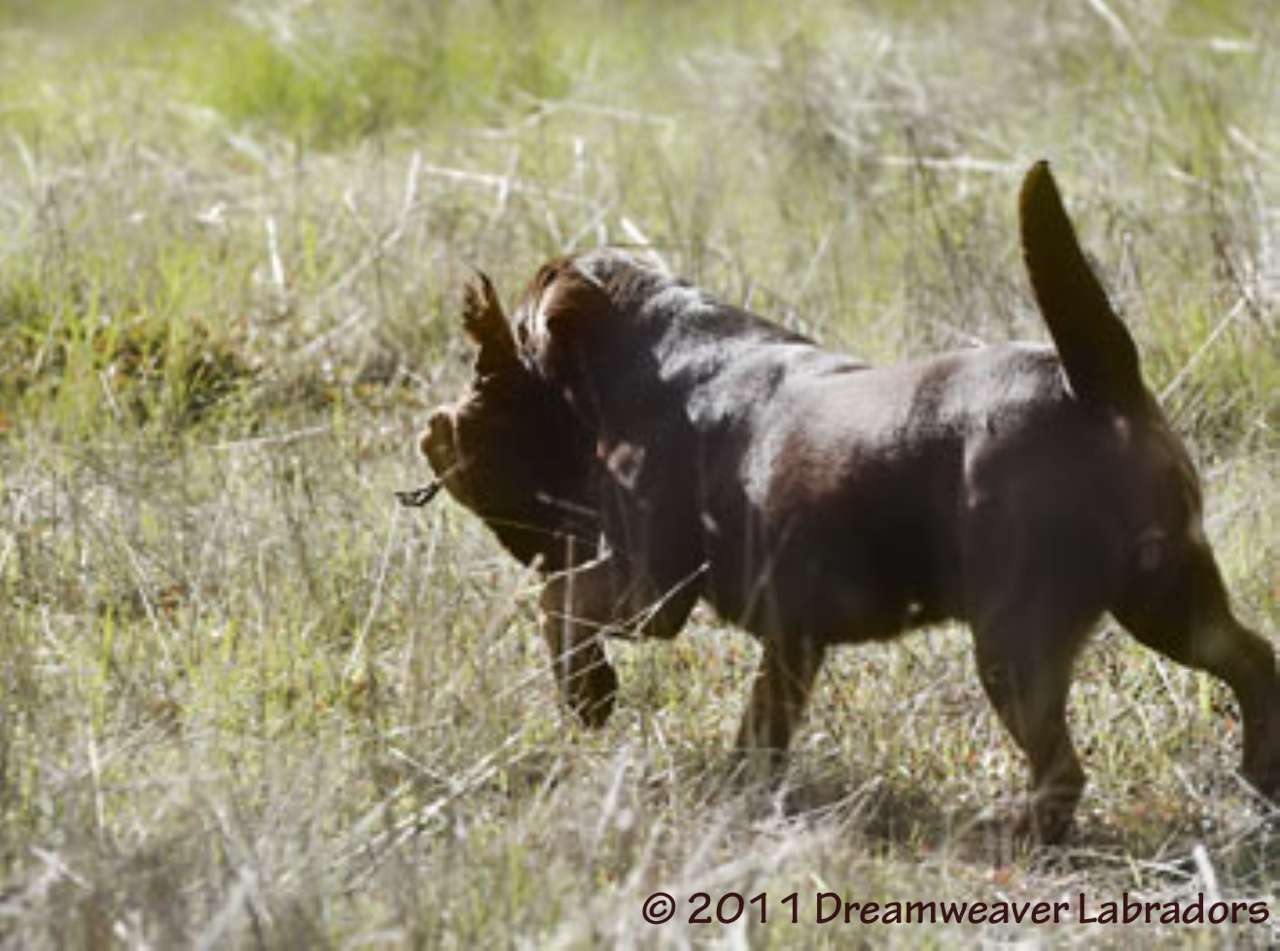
487,325
571,302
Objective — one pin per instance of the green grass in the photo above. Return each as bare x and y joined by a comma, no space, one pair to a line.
245,700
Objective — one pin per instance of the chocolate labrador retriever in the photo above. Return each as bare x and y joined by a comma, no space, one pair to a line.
813,500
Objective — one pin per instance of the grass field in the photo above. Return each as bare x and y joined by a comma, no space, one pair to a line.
246,700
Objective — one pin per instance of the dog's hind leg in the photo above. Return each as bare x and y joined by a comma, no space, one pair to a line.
779,694
1035,584
1025,668
1182,611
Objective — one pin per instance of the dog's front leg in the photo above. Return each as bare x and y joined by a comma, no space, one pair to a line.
779,694
576,605
602,597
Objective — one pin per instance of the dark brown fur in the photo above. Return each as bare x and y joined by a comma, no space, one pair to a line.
815,501
513,452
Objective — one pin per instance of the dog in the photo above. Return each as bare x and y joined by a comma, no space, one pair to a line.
649,446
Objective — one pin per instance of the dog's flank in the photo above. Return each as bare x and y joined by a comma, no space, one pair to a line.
816,501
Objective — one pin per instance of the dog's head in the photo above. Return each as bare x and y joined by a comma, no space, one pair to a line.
565,313
511,450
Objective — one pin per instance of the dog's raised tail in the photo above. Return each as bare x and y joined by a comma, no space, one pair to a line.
1097,353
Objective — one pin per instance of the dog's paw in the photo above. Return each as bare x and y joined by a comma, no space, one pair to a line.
592,694
1043,822
758,766
1265,781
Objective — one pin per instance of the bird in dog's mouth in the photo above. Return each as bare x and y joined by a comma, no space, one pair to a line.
417,498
